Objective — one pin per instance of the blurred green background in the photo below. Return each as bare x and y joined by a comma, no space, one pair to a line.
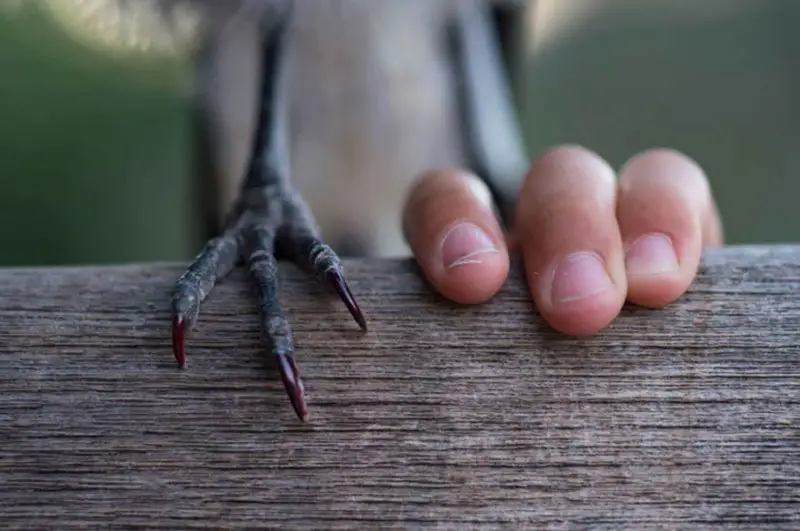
95,145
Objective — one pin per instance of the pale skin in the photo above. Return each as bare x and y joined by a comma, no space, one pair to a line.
590,238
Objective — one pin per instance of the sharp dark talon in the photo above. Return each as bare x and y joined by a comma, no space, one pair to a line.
340,284
293,385
311,254
178,341
268,215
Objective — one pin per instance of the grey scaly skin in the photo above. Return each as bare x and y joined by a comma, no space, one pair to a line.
268,220
271,221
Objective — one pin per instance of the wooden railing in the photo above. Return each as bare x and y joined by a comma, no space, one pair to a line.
441,416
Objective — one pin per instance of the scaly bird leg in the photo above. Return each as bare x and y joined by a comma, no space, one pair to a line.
492,135
269,219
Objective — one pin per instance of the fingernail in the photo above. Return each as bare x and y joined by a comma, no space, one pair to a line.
651,254
465,243
578,276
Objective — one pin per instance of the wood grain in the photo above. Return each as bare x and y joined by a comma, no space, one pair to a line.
441,417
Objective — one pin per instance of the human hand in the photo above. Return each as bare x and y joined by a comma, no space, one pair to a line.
589,240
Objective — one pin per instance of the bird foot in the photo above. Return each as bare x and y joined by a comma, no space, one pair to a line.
268,222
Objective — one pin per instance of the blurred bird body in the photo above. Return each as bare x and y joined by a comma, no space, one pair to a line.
313,118
371,107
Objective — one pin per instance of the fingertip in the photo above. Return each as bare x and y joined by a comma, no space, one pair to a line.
581,295
657,276
570,240
455,237
663,211
475,266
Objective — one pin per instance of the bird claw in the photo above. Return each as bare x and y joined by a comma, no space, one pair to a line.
293,385
255,241
179,341
268,214
336,279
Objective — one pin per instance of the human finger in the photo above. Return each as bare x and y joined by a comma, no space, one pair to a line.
455,236
665,212
567,231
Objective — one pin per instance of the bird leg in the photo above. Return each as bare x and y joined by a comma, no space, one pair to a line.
268,220
494,142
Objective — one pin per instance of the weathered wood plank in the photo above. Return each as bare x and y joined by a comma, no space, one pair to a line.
441,416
